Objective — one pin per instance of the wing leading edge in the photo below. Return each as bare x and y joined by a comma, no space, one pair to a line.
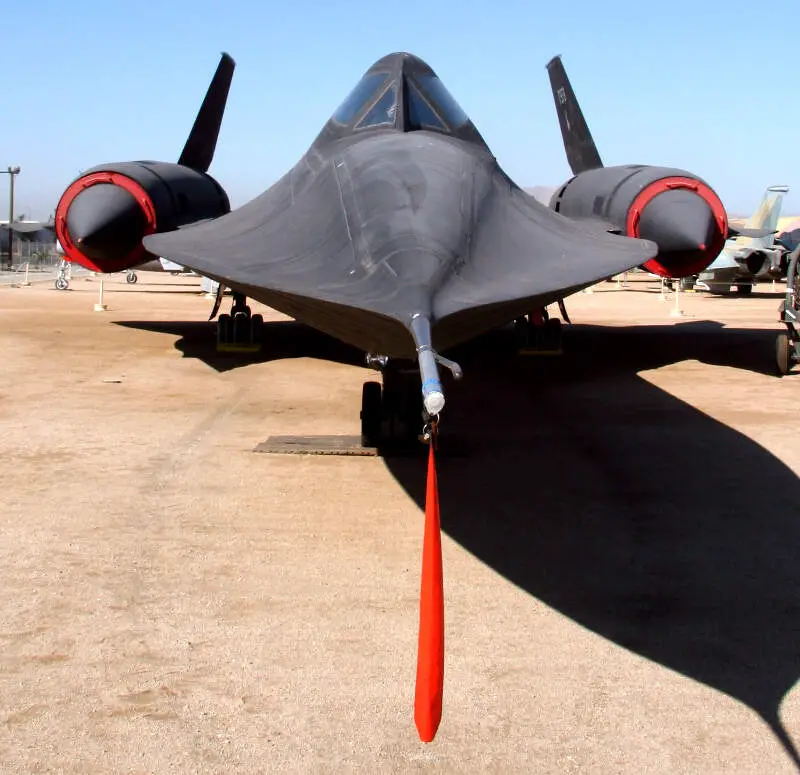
526,256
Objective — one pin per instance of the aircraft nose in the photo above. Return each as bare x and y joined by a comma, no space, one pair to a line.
105,222
678,221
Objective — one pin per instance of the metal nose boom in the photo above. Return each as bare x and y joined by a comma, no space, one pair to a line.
428,358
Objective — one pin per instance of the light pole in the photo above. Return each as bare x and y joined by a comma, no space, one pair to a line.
11,171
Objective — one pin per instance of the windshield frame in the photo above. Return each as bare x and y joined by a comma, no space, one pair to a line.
392,112
361,98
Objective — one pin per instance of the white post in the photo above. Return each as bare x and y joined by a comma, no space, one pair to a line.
28,282
100,307
662,296
677,312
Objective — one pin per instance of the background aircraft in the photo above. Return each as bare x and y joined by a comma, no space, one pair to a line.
747,259
159,265
674,208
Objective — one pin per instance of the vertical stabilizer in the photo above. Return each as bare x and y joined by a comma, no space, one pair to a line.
765,218
578,143
202,142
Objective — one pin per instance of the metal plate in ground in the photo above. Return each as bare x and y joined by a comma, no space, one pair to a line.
316,445
351,446
232,347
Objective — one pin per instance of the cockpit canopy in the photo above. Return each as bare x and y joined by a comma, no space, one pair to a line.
375,101
403,93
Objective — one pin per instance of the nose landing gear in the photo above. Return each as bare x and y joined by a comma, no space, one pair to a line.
539,334
392,414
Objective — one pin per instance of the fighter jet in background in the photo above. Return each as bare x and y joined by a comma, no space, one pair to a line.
674,208
397,232
746,259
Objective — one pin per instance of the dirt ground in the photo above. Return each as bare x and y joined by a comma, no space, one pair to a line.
620,546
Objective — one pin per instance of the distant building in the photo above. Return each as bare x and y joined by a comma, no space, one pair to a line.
27,231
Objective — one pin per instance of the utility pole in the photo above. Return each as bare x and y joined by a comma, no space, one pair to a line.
11,171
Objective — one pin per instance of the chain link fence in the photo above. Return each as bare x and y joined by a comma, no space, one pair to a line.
35,262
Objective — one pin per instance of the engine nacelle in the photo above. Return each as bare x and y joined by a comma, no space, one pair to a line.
103,215
677,210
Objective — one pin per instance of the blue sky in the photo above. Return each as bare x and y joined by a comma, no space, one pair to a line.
680,83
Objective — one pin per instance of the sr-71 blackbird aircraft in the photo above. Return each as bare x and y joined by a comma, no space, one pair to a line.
398,233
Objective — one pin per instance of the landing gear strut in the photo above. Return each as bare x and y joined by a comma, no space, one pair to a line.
241,330
64,272
392,413
539,334
412,396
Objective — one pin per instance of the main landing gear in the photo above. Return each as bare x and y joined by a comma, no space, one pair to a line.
539,334
241,331
392,413
131,277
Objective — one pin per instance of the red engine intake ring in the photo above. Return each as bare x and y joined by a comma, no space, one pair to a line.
138,254
699,259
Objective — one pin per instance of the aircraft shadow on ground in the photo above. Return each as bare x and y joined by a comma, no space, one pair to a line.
617,504
706,341
282,339
628,510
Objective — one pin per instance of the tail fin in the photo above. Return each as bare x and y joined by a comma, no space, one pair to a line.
199,149
765,218
578,143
